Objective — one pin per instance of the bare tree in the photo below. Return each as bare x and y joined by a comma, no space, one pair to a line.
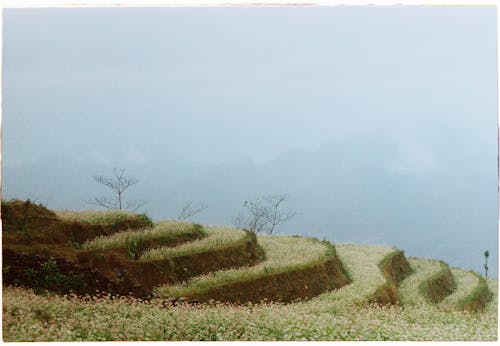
275,215
189,209
119,183
263,214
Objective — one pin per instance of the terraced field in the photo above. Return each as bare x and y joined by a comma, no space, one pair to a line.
135,242
413,289
361,262
217,238
219,283
290,263
466,282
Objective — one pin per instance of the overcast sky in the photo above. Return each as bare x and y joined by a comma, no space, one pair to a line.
157,87
220,83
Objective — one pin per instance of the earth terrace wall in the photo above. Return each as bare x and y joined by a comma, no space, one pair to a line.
295,283
36,241
28,224
143,275
479,297
34,235
31,270
439,285
114,272
394,268
134,250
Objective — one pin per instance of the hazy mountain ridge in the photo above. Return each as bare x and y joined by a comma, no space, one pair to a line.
343,191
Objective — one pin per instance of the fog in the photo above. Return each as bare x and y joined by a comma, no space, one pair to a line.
378,122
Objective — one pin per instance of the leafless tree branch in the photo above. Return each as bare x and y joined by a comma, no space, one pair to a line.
119,183
135,205
105,202
189,209
239,221
263,214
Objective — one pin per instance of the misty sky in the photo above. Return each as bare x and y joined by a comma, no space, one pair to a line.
380,122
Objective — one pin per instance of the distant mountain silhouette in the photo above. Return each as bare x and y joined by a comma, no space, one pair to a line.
358,189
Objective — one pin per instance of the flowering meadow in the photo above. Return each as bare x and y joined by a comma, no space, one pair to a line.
162,230
283,253
218,237
409,288
96,216
337,315
30,317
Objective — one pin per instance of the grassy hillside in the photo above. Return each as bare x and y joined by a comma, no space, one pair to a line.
285,275
135,242
121,277
30,317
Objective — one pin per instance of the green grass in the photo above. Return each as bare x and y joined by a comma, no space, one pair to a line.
409,288
491,308
164,230
441,284
394,267
102,217
340,314
471,291
283,253
332,316
479,298
466,282
361,262
30,317
217,238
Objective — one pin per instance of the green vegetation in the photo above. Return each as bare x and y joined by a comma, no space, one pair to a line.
25,216
118,251
409,290
217,238
333,315
394,268
466,282
439,285
491,307
479,297
361,263
104,217
165,233
284,255
342,292
451,289
49,277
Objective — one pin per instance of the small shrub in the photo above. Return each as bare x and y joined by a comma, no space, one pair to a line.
49,277
134,248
